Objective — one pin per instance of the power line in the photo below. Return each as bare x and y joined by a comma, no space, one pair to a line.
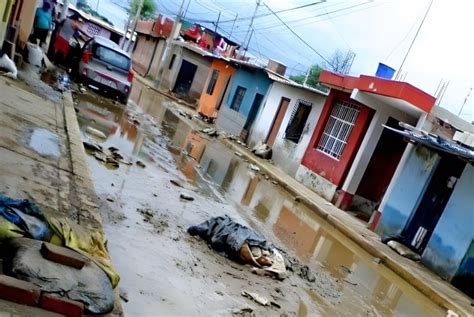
319,15
414,38
266,14
299,37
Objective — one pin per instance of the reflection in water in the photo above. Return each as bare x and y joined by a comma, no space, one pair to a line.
368,289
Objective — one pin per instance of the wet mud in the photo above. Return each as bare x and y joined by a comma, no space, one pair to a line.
165,271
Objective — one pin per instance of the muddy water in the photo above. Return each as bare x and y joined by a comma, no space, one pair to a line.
161,268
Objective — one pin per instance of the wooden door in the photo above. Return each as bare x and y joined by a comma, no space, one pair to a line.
277,121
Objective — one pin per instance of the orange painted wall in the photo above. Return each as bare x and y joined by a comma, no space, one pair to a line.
208,103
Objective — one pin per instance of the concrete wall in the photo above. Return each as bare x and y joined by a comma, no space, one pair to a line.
455,229
5,10
146,55
256,82
287,154
170,75
27,17
408,190
208,102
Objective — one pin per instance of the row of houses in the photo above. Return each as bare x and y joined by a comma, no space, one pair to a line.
373,146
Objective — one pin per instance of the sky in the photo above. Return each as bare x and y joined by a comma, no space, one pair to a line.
375,30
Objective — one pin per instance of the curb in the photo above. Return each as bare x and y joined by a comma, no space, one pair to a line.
89,213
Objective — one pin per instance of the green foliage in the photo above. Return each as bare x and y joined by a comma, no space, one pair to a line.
313,78
148,10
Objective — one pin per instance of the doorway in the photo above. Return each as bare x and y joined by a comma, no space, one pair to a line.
277,120
464,278
257,101
185,78
418,230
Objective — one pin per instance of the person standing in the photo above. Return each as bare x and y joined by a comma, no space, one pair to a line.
69,28
43,23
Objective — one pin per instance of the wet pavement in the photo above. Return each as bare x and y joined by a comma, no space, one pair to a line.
165,271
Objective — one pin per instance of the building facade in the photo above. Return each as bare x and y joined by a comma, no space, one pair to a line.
288,117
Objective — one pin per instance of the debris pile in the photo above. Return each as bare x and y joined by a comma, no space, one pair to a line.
52,262
241,244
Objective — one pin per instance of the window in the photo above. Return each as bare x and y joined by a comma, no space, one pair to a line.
212,82
297,122
112,57
338,128
238,97
172,61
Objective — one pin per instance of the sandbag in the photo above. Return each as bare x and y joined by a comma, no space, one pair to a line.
89,285
90,243
227,236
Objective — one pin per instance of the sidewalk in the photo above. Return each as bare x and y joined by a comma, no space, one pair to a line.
431,285
43,157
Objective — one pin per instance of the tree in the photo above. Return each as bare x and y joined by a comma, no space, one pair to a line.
313,77
148,10
340,62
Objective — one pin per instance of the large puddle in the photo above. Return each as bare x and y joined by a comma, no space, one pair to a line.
368,288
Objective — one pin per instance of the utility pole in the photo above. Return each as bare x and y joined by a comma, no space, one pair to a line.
137,16
233,24
250,29
307,76
97,7
465,101
166,57
217,23
248,42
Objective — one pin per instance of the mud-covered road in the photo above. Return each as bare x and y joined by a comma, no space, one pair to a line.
164,271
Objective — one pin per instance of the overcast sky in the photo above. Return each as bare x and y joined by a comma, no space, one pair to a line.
377,31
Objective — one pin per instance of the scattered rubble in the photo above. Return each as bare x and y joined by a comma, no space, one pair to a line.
186,197
256,298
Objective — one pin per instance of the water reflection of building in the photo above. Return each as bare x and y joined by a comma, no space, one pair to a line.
218,163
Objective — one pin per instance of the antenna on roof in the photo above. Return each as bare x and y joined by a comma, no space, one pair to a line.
465,101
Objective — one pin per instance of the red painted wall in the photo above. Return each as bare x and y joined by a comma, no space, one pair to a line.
331,169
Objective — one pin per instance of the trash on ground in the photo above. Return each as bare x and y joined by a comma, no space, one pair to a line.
7,65
404,250
210,131
89,285
141,164
263,151
238,154
254,168
243,312
241,244
256,298
96,133
186,197
176,183
123,295
25,215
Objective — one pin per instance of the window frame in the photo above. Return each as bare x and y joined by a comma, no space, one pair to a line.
212,82
338,129
239,91
300,104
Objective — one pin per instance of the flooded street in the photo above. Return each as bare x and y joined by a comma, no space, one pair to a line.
165,271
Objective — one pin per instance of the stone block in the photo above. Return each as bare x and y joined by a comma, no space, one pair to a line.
61,305
63,256
19,291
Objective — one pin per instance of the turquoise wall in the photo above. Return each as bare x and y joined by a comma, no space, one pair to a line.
255,82
408,191
455,229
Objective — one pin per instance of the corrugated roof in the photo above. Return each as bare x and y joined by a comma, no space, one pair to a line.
437,143
283,80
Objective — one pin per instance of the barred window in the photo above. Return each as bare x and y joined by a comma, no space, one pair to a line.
212,82
338,128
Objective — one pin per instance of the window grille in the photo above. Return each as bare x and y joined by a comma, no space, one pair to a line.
338,128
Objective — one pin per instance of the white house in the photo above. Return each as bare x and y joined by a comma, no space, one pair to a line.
287,120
